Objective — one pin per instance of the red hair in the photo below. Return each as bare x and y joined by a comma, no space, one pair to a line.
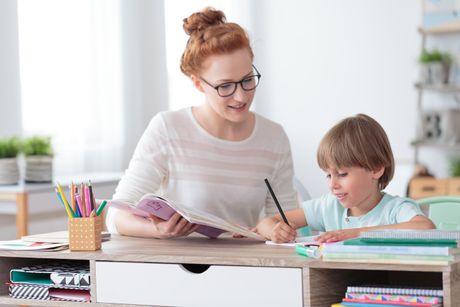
210,34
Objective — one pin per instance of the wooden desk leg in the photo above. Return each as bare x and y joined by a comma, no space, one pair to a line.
451,286
22,214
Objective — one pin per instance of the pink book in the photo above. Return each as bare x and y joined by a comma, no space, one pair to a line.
160,208
210,225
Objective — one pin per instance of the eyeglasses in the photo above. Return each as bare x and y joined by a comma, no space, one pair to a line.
227,89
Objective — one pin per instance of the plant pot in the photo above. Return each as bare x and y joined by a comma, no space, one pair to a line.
433,73
9,171
38,169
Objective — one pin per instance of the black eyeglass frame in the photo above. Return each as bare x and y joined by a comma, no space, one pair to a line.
216,87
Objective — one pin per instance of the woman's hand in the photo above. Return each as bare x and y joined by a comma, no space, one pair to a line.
338,235
176,226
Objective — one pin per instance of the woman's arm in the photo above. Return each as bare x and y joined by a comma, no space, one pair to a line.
153,227
417,222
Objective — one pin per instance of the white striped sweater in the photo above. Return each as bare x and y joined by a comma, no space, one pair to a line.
178,159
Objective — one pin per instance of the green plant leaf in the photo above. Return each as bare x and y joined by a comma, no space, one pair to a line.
37,146
9,147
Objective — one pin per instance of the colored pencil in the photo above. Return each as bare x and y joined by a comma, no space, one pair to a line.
66,205
101,207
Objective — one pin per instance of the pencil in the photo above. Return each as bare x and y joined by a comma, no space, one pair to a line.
88,201
91,196
276,201
80,204
66,205
72,193
101,207
83,202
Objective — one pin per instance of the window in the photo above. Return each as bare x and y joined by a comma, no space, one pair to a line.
70,66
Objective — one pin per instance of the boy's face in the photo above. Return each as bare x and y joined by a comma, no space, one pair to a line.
356,188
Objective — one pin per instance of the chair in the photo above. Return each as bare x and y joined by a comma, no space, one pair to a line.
303,195
444,211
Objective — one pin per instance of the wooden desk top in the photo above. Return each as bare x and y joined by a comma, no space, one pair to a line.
222,251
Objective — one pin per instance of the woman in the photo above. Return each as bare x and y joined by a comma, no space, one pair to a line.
213,157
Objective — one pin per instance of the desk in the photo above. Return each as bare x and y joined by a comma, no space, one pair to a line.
19,193
148,272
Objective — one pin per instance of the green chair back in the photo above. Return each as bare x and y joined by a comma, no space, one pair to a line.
444,211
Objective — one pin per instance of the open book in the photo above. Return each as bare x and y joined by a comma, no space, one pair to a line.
211,225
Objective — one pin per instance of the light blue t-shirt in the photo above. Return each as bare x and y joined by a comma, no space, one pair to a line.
326,213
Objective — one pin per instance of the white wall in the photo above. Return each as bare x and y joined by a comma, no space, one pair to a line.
10,117
144,68
325,60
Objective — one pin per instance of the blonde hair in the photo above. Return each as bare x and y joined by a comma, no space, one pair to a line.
210,34
357,141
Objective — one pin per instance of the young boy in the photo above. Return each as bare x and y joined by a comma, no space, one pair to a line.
357,158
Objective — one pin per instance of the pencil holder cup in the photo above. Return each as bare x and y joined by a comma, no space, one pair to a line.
85,233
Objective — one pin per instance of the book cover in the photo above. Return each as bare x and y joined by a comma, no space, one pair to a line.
70,274
388,261
56,237
43,292
372,256
385,289
19,245
403,242
340,247
428,234
395,298
354,304
386,303
211,225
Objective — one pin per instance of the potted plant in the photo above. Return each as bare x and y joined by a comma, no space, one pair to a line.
455,167
435,66
9,169
38,154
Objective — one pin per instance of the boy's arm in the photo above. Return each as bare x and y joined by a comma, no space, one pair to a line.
275,229
417,222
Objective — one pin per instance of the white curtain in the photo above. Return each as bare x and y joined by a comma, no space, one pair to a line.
70,65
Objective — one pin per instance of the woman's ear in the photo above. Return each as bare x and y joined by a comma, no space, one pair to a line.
378,172
197,83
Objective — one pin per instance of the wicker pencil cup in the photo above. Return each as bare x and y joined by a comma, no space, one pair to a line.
85,233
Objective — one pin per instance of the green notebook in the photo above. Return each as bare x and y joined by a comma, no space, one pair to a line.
400,241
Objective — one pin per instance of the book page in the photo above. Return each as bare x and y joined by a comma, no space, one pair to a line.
309,240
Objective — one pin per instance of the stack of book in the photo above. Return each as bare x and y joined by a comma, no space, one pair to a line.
390,296
419,247
58,281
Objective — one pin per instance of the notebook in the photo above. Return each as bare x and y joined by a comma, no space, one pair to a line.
57,237
412,234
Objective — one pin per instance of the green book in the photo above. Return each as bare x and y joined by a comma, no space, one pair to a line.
402,241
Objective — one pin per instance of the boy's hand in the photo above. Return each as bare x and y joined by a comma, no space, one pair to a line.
338,235
282,233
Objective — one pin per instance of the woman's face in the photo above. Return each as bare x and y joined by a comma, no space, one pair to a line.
221,70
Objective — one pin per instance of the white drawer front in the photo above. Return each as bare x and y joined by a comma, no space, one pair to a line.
172,285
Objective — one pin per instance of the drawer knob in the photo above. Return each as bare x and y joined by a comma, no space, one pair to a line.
195,268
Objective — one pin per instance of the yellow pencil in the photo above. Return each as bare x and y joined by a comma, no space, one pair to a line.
66,207
66,203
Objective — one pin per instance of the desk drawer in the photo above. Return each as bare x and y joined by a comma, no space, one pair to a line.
175,285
